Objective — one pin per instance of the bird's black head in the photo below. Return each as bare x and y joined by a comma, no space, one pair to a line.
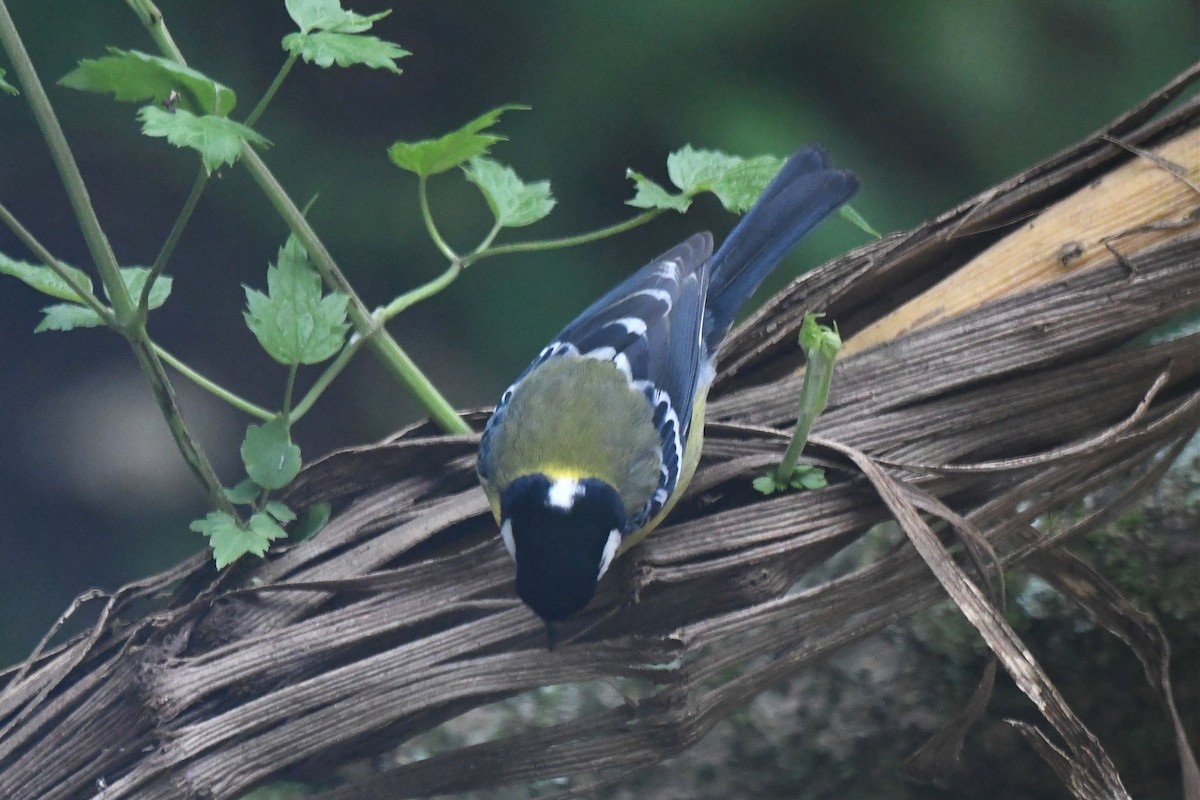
563,534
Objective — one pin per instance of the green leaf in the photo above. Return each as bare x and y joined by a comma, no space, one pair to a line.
5,86
271,460
431,156
217,139
814,479
513,202
696,171
280,511
44,279
858,220
135,77
311,521
737,182
809,477
293,322
804,476
326,48
230,542
244,493
68,316
265,526
765,484
738,186
817,340
651,195
135,281
328,15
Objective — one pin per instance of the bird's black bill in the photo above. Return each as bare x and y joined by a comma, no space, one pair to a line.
551,634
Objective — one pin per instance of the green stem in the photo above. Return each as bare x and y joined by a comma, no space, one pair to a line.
423,194
400,364
211,386
814,393
783,473
45,256
565,241
271,90
326,378
385,347
123,313
487,240
427,290
287,392
422,292
192,453
485,250
164,255
379,340
68,171
152,19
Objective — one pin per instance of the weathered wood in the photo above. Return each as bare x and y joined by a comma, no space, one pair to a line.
399,615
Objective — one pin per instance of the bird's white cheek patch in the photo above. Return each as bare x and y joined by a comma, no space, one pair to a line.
610,551
562,493
506,535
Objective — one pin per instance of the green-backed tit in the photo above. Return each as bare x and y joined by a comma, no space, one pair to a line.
597,439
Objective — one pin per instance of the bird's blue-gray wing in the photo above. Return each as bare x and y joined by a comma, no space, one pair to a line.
651,327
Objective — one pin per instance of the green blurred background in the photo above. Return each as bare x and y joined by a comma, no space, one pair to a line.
928,101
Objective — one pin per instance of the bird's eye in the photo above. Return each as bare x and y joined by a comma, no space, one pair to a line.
610,551
506,535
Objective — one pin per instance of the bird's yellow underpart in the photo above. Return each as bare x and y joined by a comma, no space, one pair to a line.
691,459
563,473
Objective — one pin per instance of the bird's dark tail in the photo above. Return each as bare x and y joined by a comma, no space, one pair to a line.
806,190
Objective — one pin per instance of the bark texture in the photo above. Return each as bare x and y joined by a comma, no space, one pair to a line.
1005,368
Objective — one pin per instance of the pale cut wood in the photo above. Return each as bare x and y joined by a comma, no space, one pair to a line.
1136,206
209,685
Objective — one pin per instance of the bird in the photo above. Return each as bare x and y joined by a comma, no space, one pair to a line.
594,443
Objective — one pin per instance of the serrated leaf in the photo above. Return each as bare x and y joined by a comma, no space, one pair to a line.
244,493
431,156
270,457
44,279
696,171
311,521
230,542
217,139
326,48
513,202
857,220
743,180
135,281
135,77
5,86
67,317
328,15
650,195
280,511
293,322
265,526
